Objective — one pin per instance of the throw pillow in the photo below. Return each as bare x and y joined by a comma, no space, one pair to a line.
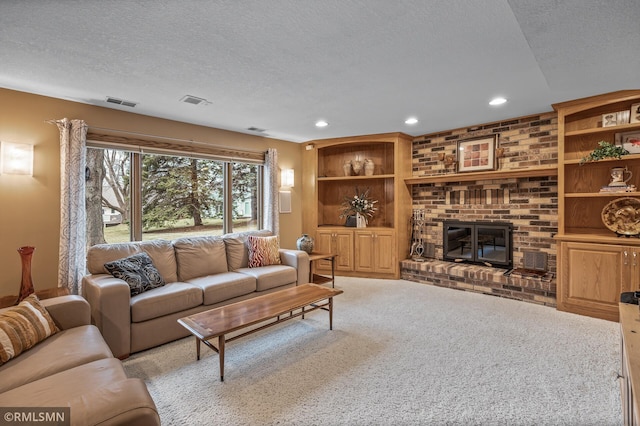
138,271
263,251
23,326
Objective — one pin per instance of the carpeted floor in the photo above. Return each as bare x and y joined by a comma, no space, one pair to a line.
401,353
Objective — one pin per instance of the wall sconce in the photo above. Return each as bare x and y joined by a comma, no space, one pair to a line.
16,159
287,178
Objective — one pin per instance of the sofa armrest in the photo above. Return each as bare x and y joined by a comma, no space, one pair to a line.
299,260
110,300
68,311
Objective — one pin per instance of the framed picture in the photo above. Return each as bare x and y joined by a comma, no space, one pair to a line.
629,141
610,119
477,154
635,113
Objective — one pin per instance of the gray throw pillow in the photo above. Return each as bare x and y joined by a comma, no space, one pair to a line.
138,271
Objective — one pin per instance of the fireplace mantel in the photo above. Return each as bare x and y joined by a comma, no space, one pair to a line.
475,176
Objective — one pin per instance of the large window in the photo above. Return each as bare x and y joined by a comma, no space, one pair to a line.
146,196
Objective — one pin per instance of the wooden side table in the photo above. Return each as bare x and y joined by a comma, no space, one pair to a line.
322,279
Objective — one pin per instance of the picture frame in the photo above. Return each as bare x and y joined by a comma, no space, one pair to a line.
629,141
477,154
609,119
634,113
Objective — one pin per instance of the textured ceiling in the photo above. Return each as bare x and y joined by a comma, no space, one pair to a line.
362,65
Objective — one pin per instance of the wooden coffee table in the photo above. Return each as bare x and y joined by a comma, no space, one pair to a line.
278,306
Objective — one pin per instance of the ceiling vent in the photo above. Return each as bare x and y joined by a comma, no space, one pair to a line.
256,129
121,102
194,100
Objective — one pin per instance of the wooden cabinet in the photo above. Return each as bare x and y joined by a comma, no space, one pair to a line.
338,242
594,264
594,275
326,185
375,251
630,368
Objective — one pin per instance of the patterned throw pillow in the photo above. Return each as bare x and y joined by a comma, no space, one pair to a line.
23,326
263,251
138,271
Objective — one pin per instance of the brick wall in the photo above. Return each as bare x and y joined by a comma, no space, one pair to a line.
531,204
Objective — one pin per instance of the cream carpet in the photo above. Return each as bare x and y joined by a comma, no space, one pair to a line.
400,353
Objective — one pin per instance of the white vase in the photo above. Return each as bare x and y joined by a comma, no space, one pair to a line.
346,168
361,221
368,167
356,165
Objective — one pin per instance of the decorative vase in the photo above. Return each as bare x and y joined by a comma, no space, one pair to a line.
346,167
305,243
351,221
368,167
356,165
361,221
26,286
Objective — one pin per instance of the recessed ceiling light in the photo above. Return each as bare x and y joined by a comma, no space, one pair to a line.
411,120
497,101
321,123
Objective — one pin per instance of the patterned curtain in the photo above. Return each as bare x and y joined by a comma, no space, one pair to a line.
271,214
73,135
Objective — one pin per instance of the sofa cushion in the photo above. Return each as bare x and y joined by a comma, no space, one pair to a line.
24,326
200,256
171,298
237,249
98,393
62,351
138,271
271,276
263,251
227,285
160,251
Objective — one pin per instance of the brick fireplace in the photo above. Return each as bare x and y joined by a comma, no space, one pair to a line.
530,204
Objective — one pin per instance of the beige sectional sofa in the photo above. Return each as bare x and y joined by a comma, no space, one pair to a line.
201,273
74,368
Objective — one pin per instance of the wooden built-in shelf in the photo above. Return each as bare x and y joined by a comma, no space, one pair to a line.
597,236
355,177
494,174
622,158
601,194
620,127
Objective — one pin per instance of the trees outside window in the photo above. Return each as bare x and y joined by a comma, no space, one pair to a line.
178,196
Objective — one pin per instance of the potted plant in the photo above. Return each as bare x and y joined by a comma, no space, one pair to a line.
604,150
359,206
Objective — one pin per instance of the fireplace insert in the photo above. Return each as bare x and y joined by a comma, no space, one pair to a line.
483,243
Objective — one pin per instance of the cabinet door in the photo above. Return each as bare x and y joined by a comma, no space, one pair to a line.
384,255
592,278
364,251
343,247
375,251
323,244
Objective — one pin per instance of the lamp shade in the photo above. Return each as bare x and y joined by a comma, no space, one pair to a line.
16,159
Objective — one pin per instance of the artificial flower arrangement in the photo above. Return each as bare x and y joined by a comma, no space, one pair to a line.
360,203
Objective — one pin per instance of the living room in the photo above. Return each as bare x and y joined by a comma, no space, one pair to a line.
546,74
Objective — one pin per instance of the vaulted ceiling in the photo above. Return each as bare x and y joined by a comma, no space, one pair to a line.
275,67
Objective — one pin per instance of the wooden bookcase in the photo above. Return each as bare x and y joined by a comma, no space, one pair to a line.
594,264
374,251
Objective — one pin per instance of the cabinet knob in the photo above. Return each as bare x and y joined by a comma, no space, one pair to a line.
626,257
635,258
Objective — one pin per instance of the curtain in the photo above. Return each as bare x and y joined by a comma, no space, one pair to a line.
270,208
72,249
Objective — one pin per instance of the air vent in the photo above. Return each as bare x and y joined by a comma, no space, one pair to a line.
256,129
121,102
194,100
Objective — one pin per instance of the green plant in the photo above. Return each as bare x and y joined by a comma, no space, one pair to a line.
604,150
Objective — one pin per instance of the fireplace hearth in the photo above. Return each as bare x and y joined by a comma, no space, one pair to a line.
482,243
